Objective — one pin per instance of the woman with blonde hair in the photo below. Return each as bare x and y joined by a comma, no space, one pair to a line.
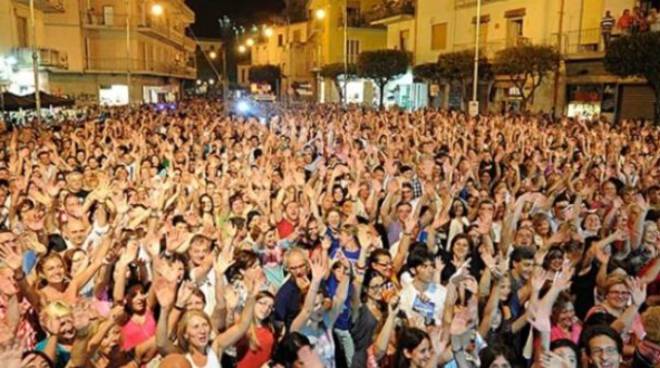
194,329
255,349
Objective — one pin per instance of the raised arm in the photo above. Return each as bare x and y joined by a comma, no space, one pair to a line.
318,270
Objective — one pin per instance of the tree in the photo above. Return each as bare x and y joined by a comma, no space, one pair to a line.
637,55
334,71
270,74
526,65
458,67
430,72
382,66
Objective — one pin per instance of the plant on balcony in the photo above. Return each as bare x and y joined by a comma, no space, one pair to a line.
526,66
637,55
382,66
458,69
336,70
270,74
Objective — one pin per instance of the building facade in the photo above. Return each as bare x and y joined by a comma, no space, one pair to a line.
582,87
89,52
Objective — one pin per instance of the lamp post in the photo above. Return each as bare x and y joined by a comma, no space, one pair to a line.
474,103
345,87
319,14
35,62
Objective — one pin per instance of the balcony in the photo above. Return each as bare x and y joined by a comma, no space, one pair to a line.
46,6
583,44
48,58
182,70
391,11
468,3
356,21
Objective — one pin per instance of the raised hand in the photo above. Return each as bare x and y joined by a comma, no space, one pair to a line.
185,292
11,256
318,269
637,290
165,292
553,360
225,259
538,279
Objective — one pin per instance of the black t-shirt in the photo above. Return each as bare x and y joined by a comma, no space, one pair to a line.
583,289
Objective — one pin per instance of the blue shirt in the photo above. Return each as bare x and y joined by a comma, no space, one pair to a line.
288,302
62,354
343,321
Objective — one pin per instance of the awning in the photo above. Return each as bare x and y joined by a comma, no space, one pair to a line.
48,100
11,102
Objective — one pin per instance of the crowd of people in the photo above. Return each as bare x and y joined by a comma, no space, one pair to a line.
329,237
629,22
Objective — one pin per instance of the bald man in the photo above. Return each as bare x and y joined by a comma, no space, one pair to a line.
175,361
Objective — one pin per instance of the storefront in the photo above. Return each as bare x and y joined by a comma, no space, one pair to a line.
157,94
113,95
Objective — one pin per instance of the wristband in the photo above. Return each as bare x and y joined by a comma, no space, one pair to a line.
20,277
179,308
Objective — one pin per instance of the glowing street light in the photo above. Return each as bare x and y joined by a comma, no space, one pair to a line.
242,49
213,55
199,82
157,9
319,14
268,32
211,81
249,42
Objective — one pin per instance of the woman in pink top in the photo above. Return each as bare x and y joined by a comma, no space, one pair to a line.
565,325
140,325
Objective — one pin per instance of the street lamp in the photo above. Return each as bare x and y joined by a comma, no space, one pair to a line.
473,108
211,81
268,32
249,42
213,54
157,9
319,14
242,49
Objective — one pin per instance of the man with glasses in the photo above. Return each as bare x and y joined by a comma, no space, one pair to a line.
603,345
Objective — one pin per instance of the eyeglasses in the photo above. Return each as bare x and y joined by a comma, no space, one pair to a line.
298,267
610,350
617,292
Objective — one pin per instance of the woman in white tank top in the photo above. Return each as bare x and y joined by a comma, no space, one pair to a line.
193,331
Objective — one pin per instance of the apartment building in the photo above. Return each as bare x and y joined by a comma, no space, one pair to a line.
583,86
88,50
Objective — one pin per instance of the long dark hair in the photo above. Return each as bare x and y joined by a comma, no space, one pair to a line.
409,338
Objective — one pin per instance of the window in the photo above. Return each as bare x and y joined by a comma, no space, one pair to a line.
280,40
439,36
108,15
404,38
296,35
514,31
353,48
21,24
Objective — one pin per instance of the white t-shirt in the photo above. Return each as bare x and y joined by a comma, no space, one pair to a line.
211,362
432,308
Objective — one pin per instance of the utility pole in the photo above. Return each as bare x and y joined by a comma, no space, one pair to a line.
128,50
35,62
560,36
474,104
345,92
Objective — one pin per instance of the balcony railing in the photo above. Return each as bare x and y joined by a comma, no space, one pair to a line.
140,66
47,6
466,3
355,21
47,57
390,9
583,42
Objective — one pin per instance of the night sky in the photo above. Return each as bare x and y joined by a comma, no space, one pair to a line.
245,12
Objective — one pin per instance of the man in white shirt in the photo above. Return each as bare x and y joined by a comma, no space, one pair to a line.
423,299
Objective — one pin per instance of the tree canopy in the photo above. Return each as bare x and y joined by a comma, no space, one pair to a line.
526,66
335,70
637,55
382,66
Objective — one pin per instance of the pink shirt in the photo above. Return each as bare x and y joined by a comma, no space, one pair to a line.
133,334
557,333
